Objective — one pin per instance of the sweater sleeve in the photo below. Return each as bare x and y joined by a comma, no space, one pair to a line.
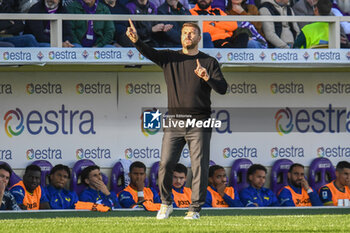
216,80
157,56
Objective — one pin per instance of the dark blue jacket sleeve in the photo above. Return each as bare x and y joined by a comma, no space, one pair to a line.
315,200
208,200
285,198
126,200
156,198
43,197
111,200
18,192
233,202
274,200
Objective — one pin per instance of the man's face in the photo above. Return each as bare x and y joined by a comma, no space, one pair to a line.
51,4
179,179
296,176
344,176
4,177
257,180
219,177
137,176
59,179
204,4
94,175
190,37
31,180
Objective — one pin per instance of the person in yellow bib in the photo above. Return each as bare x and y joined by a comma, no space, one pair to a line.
28,193
218,194
136,194
338,189
298,192
181,194
315,33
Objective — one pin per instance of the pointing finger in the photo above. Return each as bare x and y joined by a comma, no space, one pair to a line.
198,64
132,25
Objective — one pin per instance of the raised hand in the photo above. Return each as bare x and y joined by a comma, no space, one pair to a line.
201,71
132,33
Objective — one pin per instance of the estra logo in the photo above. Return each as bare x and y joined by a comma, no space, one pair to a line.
287,152
93,153
240,152
45,153
333,88
148,153
51,122
316,120
287,88
5,88
43,88
93,88
142,88
17,56
5,154
333,152
242,88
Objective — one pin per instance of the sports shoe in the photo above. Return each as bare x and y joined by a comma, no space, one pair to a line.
164,211
192,215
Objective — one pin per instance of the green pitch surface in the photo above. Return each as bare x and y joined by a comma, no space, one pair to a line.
285,223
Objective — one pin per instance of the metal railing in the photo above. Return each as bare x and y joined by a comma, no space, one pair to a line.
57,19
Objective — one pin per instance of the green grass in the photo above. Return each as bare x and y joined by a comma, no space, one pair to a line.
286,223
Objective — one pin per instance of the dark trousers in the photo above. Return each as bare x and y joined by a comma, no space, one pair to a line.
174,140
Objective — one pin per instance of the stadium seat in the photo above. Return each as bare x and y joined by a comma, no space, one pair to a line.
239,170
45,167
119,177
279,174
211,163
76,184
321,172
14,179
153,176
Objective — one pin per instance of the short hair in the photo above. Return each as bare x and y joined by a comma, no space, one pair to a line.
32,168
86,172
137,164
6,168
324,7
341,165
60,167
180,168
193,25
214,168
295,165
252,169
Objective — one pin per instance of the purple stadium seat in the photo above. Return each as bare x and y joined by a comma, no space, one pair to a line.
14,179
279,174
119,177
45,167
239,170
321,172
76,184
153,176
211,163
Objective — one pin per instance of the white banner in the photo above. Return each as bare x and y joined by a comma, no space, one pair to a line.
63,117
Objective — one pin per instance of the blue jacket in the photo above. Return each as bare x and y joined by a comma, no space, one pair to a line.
263,197
8,202
61,198
286,199
127,200
94,196
231,202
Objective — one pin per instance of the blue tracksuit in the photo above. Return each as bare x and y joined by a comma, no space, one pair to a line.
263,197
61,198
94,196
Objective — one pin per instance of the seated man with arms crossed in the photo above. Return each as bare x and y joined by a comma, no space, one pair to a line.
181,194
298,192
97,192
338,189
218,195
256,195
58,196
136,194
28,193
7,200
